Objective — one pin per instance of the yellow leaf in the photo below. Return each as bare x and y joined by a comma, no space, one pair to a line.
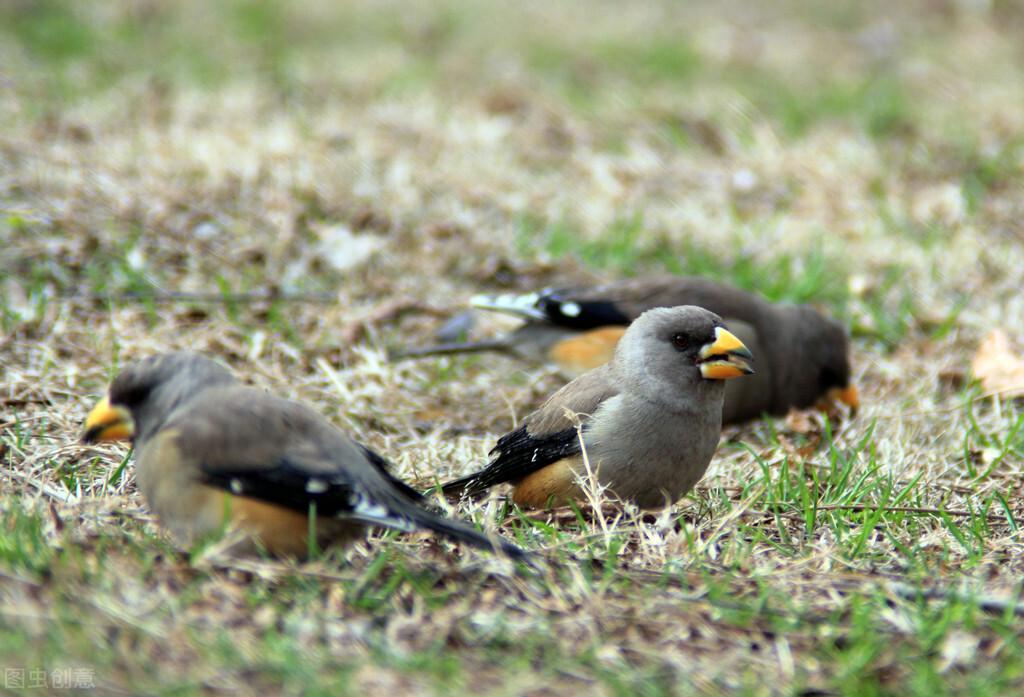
998,366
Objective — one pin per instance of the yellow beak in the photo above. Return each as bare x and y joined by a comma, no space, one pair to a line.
726,357
107,422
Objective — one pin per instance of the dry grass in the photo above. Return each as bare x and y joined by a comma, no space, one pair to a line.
870,159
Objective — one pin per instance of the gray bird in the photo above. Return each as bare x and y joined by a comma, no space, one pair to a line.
212,453
803,356
650,419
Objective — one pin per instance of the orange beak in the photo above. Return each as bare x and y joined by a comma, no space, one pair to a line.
726,357
108,422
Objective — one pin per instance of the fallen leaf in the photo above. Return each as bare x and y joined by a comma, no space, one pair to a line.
999,366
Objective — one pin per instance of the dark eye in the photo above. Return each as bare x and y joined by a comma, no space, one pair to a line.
681,342
131,393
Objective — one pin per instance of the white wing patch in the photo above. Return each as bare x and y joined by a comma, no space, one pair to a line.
523,305
236,486
316,486
372,512
570,309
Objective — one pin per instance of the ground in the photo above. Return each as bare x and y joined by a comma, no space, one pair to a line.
297,187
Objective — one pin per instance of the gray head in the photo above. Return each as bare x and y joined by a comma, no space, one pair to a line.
674,355
145,393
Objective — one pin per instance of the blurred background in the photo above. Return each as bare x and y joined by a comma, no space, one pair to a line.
852,154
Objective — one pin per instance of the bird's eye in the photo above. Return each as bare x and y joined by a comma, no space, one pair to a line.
131,395
680,342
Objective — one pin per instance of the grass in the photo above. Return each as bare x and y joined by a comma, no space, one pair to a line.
877,104
627,247
176,176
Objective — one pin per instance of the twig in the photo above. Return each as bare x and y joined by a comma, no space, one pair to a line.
985,603
449,349
206,297
885,509
390,310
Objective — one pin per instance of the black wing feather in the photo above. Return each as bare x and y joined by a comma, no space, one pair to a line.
289,486
286,485
384,467
588,314
517,455
293,487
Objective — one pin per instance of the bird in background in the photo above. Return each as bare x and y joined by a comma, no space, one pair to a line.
212,454
803,356
646,424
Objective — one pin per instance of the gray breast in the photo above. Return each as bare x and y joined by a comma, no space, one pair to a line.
647,454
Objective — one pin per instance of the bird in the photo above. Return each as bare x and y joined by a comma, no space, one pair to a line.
646,424
213,454
803,356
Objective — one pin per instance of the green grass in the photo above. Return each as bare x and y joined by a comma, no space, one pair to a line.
629,248
23,544
877,105
990,172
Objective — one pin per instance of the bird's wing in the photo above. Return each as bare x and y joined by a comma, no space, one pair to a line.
632,297
548,435
283,453
620,302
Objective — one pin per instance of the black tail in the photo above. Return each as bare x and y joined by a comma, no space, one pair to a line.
464,532
469,485
405,511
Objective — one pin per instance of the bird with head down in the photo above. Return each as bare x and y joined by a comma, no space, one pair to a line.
213,454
